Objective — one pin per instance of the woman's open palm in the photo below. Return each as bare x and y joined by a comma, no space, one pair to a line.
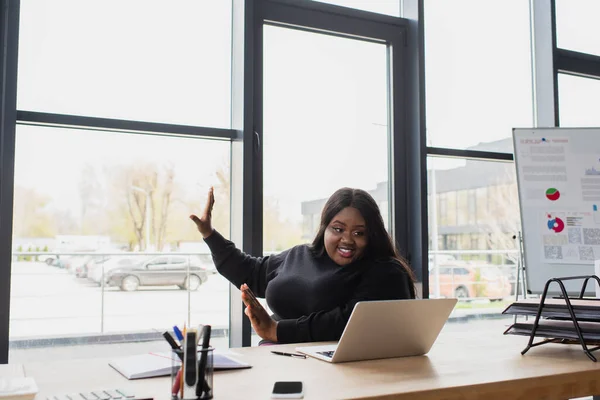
204,223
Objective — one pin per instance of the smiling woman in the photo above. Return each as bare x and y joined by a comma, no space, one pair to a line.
345,239
312,289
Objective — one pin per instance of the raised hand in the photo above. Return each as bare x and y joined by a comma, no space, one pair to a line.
204,223
263,324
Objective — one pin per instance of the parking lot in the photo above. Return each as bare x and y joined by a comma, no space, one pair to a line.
47,301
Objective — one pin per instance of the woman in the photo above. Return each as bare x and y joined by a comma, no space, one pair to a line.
312,289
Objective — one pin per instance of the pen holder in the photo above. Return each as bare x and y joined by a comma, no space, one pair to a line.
199,383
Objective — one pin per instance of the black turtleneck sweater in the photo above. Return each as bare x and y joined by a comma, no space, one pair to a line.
311,297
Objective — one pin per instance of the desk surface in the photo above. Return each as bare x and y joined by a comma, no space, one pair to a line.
459,366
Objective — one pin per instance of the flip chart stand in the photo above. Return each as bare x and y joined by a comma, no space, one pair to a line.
520,280
586,278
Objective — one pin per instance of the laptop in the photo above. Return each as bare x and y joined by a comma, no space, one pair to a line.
387,329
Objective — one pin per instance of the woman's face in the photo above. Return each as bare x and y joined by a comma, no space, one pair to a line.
346,236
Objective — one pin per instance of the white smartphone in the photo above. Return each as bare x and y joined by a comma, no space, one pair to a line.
287,390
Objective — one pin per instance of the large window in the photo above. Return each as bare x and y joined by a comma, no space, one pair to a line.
577,25
578,98
316,144
134,60
478,88
108,208
475,262
96,192
478,72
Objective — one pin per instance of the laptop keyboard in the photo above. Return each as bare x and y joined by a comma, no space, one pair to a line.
328,354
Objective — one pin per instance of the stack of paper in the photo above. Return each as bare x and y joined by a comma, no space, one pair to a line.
14,385
162,364
557,329
584,309
556,320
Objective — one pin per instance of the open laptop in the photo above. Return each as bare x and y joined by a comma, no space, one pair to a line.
386,329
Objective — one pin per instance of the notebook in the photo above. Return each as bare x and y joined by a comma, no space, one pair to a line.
14,385
386,329
161,364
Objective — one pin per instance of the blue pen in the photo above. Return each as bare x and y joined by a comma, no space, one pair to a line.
178,333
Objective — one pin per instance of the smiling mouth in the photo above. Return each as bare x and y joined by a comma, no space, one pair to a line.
346,252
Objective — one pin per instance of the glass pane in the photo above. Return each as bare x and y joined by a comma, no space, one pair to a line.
388,7
478,72
473,218
122,202
578,101
577,25
134,60
323,130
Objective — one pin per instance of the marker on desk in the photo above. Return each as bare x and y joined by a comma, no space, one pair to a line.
178,333
203,386
190,365
183,343
177,383
173,344
171,341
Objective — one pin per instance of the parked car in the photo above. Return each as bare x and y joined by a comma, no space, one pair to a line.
81,270
60,261
81,267
101,267
47,258
76,261
185,272
470,281
56,260
87,269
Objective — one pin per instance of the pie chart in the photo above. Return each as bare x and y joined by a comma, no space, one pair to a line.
556,224
552,194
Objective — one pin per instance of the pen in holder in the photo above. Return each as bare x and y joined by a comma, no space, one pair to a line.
205,372
196,381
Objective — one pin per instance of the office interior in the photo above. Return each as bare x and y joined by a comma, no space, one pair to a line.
117,118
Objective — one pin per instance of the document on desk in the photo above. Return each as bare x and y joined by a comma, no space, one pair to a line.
17,388
160,364
557,329
584,309
14,385
12,371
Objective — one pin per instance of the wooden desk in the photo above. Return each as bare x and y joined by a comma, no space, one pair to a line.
460,366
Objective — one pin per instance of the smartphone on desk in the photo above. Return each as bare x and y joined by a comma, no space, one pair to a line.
287,390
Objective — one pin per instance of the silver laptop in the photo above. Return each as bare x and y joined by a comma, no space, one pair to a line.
386,329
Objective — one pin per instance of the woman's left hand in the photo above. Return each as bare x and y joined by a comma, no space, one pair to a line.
263,324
